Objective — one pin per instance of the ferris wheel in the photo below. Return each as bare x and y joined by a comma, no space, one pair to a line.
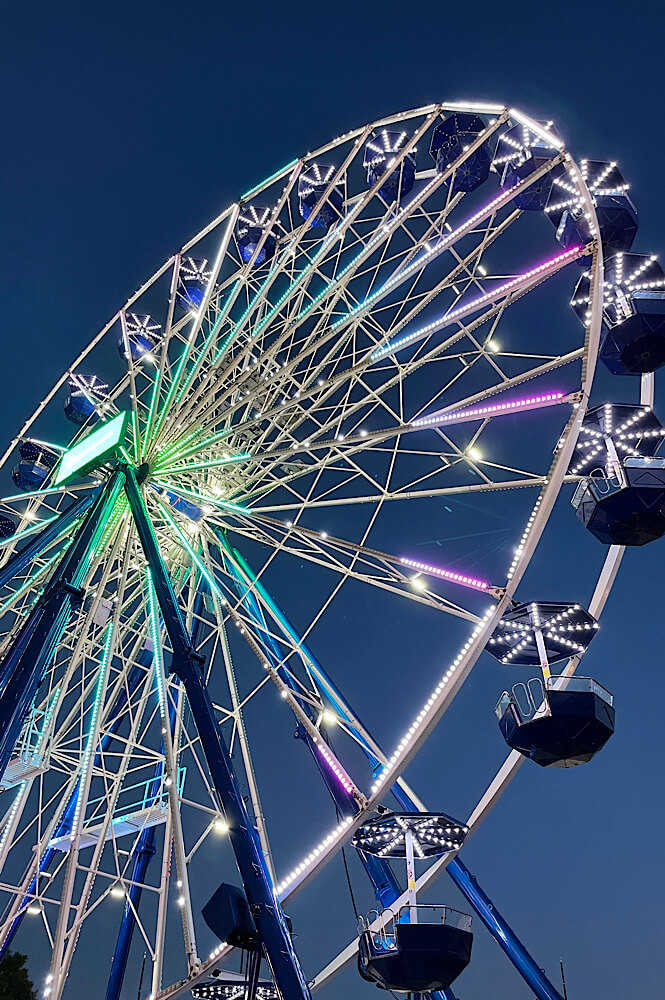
258,440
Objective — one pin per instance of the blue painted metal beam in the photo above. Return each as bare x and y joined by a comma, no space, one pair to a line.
188,666
28,657
501,932
143,853
379,871
39,542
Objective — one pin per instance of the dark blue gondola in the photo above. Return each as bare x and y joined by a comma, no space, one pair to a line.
450,139
419,948
519,152
566,724
143,334
86,392
627,507
621,500
36,463
380,152
557,721
616,214
312,185
250,228
633,328
193,279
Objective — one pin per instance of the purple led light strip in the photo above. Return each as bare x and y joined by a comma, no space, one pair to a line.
492,409
343,779
457,313
446,574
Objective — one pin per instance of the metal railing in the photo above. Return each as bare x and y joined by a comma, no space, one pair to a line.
142,796
383,936
530,699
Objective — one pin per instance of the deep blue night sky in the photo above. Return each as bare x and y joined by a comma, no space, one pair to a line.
126,127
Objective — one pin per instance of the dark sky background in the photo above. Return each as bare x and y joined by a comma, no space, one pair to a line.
126,127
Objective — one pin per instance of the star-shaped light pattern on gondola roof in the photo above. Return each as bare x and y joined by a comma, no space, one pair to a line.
602,177
433,834
625,274
381,145
567,630
635,432
225,990
88,385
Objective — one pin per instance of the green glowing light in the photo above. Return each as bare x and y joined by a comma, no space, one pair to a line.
96,449
165,458
204,350
172,389
194,466
31,580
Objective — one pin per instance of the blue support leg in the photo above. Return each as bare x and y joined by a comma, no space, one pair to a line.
379,871
501,932
37,543
28,657
143,853
187,665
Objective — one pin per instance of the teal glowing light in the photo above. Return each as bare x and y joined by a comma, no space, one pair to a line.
92,727
153,610
94,450
269,180
37,526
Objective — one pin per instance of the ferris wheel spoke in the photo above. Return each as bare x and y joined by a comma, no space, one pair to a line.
166,339
387,230
537,482
453,415
197,319
351,562
243,278
531,373
316,341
